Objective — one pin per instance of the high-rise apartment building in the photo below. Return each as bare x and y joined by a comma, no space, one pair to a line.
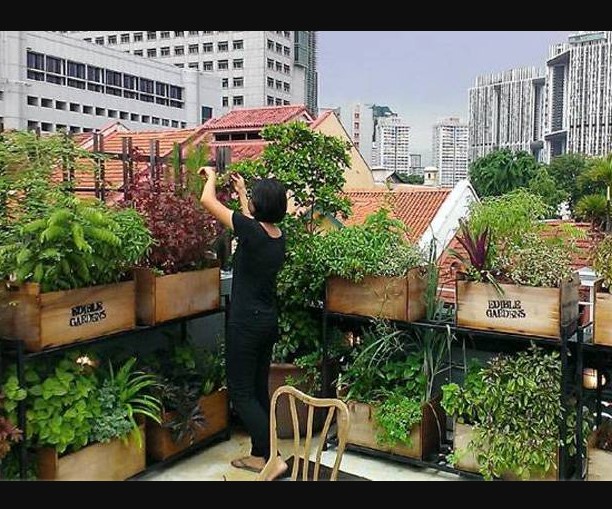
416,164
254,68
52,82
450,151
506,110
392,137
579,86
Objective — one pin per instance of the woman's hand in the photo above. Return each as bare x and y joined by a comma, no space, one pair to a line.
238,182
209,171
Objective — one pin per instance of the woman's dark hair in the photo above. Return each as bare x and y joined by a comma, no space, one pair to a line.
269,199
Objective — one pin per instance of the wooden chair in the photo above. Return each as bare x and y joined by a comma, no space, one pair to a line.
342,419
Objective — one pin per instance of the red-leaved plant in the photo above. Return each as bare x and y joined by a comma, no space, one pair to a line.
183,232
9,433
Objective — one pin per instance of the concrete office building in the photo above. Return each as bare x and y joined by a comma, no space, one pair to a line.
450,151
53,82
506,110
392,151
254,68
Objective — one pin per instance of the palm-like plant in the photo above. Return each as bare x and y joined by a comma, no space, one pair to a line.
133,391
600,171
593,208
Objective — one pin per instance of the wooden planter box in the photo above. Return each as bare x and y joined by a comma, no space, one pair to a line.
599,461
425,436
57,318
163,298
525,310
383,297
114,461
468,461
602,332
214,407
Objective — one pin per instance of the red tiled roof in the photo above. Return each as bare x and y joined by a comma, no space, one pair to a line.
241,150
141,139
449,265
416,208
80,138
253,118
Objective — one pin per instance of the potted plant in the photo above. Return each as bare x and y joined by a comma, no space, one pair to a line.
515,279
64,261
85,423
179,275
602,311
194,400
374,271
507,417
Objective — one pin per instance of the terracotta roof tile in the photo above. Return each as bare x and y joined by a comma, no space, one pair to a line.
416,208
258,117
141,139
241,150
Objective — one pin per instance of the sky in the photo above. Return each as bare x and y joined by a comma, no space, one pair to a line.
422,76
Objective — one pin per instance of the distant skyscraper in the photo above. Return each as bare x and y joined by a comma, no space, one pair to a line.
506,110
450,151
416,164
579,86
392,144
265,68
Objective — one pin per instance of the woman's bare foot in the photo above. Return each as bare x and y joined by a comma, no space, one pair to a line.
277,468
250,463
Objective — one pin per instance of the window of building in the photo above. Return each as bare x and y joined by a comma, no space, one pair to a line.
222,65
194,32
194,49
112,113
100,112
75,70
238,100
183,125
74,129
161,89
145,119
165,51
179,50
286,69
87,39
286,87
165,122
125,38
60,105
287,35
88,110
146,86
224,82
270,82
54,65
225,101
287,51
152,52
36,61
238,82
356,125
124,115
194,65
87,129
134,117
138,37
207,66
285,102
138,52
278,47
222,46
179,34
112,39
164,35
32,125
270,64
151,36
207,47
113,78
270,44
238,44
279,85
279,102
238,63
207,113
181,66
279,67
270,100
32,101
46,127
100,41
155,120
175,123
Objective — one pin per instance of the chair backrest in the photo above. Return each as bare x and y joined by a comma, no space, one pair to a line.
334,406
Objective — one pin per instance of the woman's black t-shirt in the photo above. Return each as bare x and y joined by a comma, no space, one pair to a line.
257,261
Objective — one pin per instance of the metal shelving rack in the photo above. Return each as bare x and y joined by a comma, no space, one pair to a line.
571,353
16,350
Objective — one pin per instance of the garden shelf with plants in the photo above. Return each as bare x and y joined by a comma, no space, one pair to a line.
76,269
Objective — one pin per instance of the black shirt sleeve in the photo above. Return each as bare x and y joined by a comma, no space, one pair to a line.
244,227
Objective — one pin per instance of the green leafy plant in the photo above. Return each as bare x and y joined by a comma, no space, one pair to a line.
395,418
79,244
515,408
379,247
